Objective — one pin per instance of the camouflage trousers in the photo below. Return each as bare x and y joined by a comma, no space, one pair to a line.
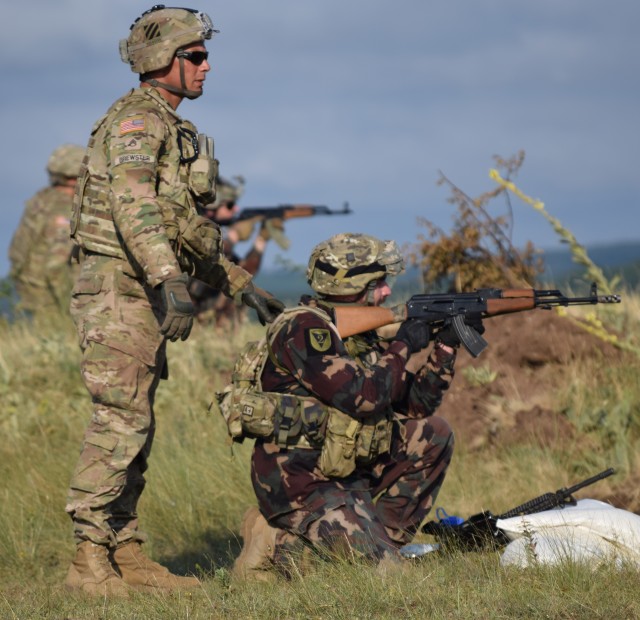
123,355
380,510
213,308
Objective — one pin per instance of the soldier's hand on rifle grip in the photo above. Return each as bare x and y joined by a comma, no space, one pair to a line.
415,334
448,336
475,323
178,320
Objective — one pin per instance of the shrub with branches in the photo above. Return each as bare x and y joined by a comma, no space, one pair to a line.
478,252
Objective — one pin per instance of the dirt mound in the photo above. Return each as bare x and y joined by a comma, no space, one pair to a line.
507,394
625,495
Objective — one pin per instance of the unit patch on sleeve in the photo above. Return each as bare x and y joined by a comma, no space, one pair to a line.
319,341
133,123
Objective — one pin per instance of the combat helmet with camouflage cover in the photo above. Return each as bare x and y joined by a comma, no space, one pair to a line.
158,34
347,263
227,192
64,163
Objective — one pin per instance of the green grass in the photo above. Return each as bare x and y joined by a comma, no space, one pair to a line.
197,492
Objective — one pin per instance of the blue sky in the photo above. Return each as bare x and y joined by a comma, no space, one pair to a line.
360,100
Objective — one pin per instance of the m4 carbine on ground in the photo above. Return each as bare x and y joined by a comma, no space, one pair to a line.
443,309
480,531
284,212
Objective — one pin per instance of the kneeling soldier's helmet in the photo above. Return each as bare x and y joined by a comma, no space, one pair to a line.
64,163
347,263
159,33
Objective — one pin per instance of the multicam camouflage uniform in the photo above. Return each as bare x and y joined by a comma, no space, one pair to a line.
361,376
141,238
41,250
133,215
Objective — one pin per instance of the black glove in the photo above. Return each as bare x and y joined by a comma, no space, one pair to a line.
447,335
415,334
266,305
179,309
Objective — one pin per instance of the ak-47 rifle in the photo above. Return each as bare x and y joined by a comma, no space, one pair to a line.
284,212
443,309
480,531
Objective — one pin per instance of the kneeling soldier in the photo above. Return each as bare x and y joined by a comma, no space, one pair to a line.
354,458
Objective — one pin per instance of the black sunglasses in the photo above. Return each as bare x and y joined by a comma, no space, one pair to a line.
197,57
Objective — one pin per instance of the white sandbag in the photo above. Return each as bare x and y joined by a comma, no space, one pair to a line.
591,532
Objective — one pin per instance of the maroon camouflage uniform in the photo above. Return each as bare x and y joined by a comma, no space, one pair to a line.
335,513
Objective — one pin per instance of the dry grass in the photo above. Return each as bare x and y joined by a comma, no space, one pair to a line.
197,493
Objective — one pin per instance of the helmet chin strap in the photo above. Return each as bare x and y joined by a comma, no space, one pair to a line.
371,287
182,92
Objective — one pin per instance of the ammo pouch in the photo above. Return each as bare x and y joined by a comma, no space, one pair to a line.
292,421
187,230
203,171
350,442
200,236
241,404
248,414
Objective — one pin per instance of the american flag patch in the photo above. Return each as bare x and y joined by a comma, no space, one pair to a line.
135,123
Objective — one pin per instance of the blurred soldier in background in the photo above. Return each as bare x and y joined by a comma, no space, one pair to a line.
141,237
356,457
40,251
212,307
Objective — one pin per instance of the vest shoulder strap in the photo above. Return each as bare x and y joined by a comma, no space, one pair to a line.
275,327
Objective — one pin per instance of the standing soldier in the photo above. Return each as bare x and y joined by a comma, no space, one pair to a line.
210,305
352,421
40,251
136,223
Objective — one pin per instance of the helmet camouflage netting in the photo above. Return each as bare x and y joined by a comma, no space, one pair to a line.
346,263
65,162
159,33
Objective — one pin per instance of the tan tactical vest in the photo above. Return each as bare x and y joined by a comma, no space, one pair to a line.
92,224
295,421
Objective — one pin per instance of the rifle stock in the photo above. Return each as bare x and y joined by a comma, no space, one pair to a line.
351,320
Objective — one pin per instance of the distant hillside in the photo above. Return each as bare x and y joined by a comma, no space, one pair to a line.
621,259
616,258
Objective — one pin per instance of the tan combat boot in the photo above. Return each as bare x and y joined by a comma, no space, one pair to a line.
256,558
91,572
142,573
